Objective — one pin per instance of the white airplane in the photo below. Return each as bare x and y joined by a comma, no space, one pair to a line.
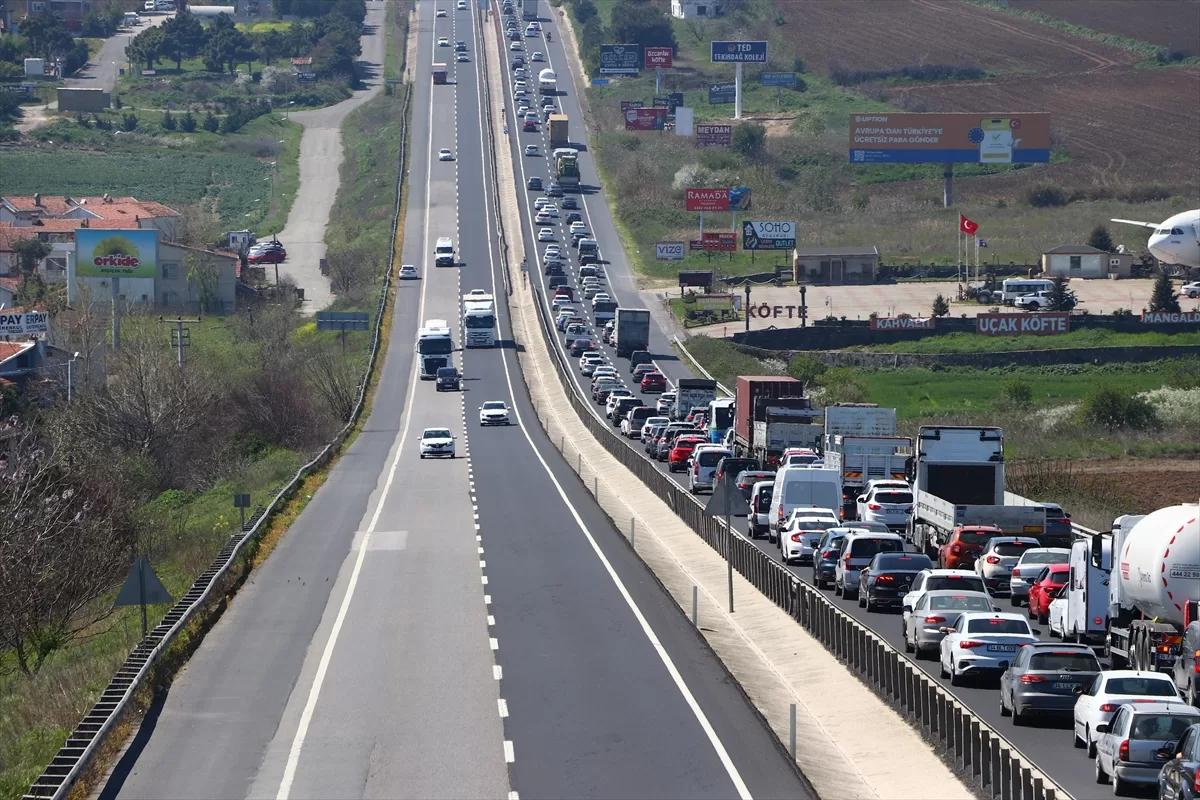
1176,240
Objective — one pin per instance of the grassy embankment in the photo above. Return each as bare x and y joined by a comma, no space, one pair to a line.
1087,337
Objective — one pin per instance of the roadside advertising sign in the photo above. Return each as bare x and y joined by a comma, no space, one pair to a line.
645,119
22,323
713,302
706,199
696,277
662,102
722,93
1182,318
620,59
744,52
674,101
901,324
943,138
739,199
713,135
1043,323
668,251
628,104
120,253
784,79
768,235
720,241
658,57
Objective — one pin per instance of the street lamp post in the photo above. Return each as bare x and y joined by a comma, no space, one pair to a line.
71,376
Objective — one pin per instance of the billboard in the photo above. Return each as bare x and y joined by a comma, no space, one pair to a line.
785,79
706,199
674,101
722,93
1180,318
1045,323
950,138
713,302
735,52
645,119
901,324
739,199
23,323
628,104
768,235
719,241
668,251
120,253
658,57
620,59
696,277
708,135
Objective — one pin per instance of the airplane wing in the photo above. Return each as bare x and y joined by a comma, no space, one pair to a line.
1151,225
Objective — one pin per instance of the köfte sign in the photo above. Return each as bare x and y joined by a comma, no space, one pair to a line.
23,323
620,59
1183,318
668,251
645,119
768,235
766,311
120,253
1040,324
706,199
901,324
658,57
743,52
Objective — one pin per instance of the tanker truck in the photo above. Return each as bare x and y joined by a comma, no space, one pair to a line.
1153,586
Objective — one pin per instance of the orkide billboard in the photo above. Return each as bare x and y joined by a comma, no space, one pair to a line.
950,138
116,252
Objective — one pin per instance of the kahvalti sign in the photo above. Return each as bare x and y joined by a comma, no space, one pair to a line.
901,323
1043,323
941,138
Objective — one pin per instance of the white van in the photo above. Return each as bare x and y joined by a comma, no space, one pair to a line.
858,548
443,252
801,485
1012,288
703,467
1086,618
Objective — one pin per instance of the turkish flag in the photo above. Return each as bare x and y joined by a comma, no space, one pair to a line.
966,226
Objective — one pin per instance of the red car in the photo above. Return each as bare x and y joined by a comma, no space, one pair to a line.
964,546
654,382
272,255
1051,579
682,451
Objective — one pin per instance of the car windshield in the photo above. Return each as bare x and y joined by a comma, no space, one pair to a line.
1065,661
1150,687
866,548
997,625
1045,558
810,524
960,602
437,433
446,372
963,583
1012,548
894,497
1161,727
493,405
974,537
711,458
903,561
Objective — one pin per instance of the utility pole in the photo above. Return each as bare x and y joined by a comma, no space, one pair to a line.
747,306
181,336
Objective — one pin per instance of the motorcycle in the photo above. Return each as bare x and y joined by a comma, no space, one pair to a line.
548,39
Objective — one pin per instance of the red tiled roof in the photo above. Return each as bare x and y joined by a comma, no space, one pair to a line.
10,283
145,208
49,205
9,235
12,349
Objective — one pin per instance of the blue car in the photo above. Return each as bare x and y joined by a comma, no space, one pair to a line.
826,555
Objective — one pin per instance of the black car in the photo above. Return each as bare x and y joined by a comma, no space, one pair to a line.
748,477
553,268
568,202
574,216
448,379
886,580
581,345
1180,776
534,184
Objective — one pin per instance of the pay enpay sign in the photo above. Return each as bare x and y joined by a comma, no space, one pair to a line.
768,235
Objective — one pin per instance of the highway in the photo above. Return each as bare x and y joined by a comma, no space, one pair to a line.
1044,742
471,627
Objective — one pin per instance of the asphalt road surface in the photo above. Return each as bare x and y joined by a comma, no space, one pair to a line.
452,628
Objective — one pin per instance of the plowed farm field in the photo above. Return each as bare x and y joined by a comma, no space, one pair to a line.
1173,24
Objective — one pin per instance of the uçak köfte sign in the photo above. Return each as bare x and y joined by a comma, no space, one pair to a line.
1036,324
1172,317
901,324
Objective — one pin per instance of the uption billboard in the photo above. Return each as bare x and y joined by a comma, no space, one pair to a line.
120,253
950,138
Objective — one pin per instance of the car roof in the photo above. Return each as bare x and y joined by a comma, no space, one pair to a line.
994,615
1136,673
960,572
1064,550
1172,707
1079,648
957,593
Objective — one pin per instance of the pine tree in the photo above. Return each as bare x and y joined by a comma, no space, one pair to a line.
941,306
1060,299
1163,298
1100,239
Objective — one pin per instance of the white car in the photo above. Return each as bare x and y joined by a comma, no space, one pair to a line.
560,301
578,226
441,12
493,412
531,150
1109,691
666,401
437,442
443,41
821,513
600,297
538,202
546,235
590,291
1191,290
516,46
929,580
519,73
997,559
537,56
887,504
445,155
550,208
982,642
409,272
1057,622
800,538
649,423
613,396
542,218
1034,300
462,5
461,58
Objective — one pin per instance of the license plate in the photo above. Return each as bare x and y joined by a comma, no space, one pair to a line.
1002,648
1064,685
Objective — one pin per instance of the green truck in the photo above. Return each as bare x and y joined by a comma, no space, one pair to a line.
566,166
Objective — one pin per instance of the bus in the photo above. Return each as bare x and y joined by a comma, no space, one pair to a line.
719,418
1012,288
479,319
604,311
434,346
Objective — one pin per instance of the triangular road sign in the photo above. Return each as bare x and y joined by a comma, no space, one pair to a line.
142,586
726,500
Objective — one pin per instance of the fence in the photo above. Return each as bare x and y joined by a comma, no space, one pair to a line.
74,758
977,750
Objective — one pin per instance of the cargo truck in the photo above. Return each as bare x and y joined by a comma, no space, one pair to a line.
548,82
439,73
1156,589
957,474
861,459
632,331
772,414
692,393
559,124
529,9
566,166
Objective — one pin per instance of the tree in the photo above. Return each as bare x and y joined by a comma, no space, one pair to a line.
168,121
941,306
146,47
47,35
211,123
1100,239
641,23
749,139
226,48
30,252
188,123
1060,299
203,281
1163,298
33,291
183,37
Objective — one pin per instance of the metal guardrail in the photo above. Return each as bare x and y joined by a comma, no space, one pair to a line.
73,759
975,748
700,367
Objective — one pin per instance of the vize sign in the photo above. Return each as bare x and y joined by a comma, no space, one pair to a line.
1037,324
119,253
734,52
706,199
658,57
668,251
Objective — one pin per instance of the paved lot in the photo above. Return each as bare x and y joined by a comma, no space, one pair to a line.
857,302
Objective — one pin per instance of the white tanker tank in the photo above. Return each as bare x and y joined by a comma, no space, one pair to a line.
1159,562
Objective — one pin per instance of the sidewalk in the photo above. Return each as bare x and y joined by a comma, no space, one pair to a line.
774,660
321,157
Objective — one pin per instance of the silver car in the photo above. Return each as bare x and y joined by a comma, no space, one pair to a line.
1134,746
1027,568
936,610
891,505
997,559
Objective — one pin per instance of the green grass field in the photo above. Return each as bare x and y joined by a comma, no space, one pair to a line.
1089,337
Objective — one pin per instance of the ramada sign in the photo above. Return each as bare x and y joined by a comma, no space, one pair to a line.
1039,324
706,199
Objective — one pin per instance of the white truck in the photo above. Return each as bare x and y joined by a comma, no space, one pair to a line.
434,346
861,459
547,82
957,475
1156,589
529,9
479,319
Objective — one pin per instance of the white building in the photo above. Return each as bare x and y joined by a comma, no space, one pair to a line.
692,9
1085,261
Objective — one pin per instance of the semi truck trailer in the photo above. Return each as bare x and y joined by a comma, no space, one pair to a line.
772,414
632,331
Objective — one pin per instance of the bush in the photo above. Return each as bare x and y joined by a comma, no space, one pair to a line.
168,121
843,385
862,200
188,123
81,119
1116,409
1017,391
1100,239
806,368
1151,193
129,122
1044,195
749,139
211,123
